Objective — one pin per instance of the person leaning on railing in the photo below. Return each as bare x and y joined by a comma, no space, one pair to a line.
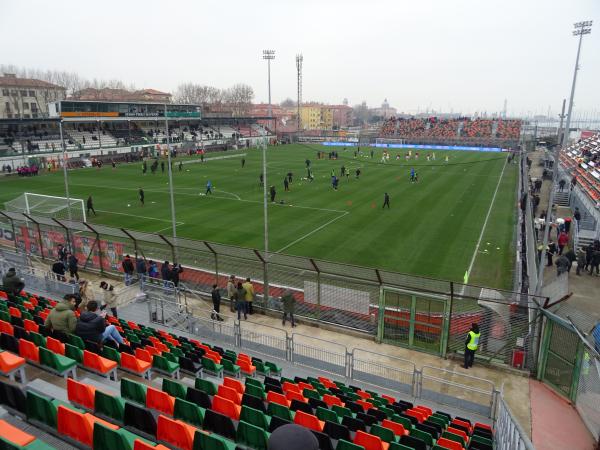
12,283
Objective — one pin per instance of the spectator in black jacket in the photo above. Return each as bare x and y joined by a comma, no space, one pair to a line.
165,272
91,326
72,264
127,265
58,269
175,271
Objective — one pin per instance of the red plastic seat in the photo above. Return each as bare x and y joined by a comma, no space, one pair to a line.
484,426
81,394
292,395
461,433
365,405
229,394
234,384
30,325
159,400
15,312
141,445
74,425
226,407
416,414
278,398
327,382
388,398
15,436
308,421
397,428
55,346
133,325
302,385
425,410
369,441
287,386
214,356
144,355
161,347
332,400
10,362
98,363
7,328
134,364
246,367
175,433
450,445
3,295
462,423
29,351
364,395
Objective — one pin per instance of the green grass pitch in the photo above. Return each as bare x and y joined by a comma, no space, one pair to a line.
431,229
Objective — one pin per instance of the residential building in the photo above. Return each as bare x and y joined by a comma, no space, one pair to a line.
123,95
26,98
385,111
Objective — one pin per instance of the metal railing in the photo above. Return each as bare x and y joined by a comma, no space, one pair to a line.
509,435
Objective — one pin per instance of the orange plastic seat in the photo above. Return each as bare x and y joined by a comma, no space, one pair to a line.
175,433
416,414
327,382
462,423
246,367
365,405
153,350
332,400
74,425
287,386
214,356
133,325
292,395
229,394
302,385
308,421
159,400
14,435
226,407
98,363
397,428
484,426
3,295
388,398
161,347
425,409
141,445
364,395
369,441
93,419
244,356
15,312
461,433
133,364
278,398
30,325
450,445
29,351
55,346
10,362
144,355
7,328
234,384
81,394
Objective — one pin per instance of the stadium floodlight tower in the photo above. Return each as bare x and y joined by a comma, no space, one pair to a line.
171,195
581,29
65,159
269,55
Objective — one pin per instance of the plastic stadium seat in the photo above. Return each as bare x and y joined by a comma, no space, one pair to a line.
483,426
199,398
10,343
160,401
364,395
292,395
255,417
206,386
54,345
100,365
308,421
332,400
419,415
391,400
327,382
365,405
140,419
57,363
412,442
278,398
30,325
174,388
219,423
448,444
81,394
425,409
141,445
347,445
327,414
370,441
6,327
11,364
14,436
386,434
212,367
144,355
74,425
337,431
29,351
353,423
458,432
287,387
252,436
133,391
226,407
111,407
230,394
463,424
234,384
175,433
130,363
188,412
213,442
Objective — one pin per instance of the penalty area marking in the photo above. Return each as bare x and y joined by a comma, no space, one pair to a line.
141,217
301,238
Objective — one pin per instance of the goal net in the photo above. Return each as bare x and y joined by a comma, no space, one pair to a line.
388,141
48,206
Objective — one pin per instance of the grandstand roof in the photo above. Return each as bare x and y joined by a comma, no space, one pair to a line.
13,81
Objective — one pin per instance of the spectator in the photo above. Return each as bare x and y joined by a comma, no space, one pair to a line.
595,262
577,217
58,269
110,298
240,302
62,318
288,301
571,256
165,272
62,254
562,265
72,264
580,261
175,271
140,267
91,326
152,269
216,299
85,294
249,295
231,290
127,265
12,283
563,239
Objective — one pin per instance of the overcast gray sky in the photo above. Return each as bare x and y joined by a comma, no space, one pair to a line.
464,55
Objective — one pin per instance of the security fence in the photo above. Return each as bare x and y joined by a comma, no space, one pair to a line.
416,312
508,434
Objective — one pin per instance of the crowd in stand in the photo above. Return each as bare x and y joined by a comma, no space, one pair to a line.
451,128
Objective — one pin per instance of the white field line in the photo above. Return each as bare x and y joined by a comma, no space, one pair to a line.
199,161
485,222
344,213
137,215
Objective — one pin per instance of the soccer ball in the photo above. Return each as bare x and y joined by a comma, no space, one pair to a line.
128,205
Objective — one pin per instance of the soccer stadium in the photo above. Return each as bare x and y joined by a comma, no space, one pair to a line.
194,268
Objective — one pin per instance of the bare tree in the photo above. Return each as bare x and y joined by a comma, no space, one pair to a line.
288,103
239,97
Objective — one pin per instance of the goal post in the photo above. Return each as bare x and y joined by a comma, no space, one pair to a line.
48,206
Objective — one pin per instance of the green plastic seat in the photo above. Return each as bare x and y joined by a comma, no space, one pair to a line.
423,435
341,411
111,353
177,352
255,390
255,417
206,386
327,414
58,363
107,439
283,412
133,391
252,436
406,423
169,356
41,409
5,316
212,367
76,341
274,368
204,441
311,393
162,364
109,406
174,388
452,437
388,411
438,420
255,382
188,412
230,368
346,445
322,390
38,444
385,434
74,352
261,368
441,417
481,440
37,339
353,396
398,446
